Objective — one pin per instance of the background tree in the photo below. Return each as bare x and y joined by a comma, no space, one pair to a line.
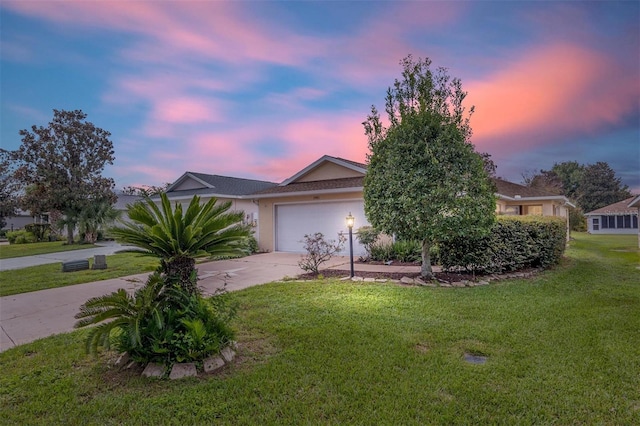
9,188
600,187
94,218
146,190
424,180
62,165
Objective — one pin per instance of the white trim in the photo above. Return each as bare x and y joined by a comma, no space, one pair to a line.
183,178
315,192
635,202
320,161
550,198
206,195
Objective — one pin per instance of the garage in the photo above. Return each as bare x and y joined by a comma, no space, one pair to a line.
293,221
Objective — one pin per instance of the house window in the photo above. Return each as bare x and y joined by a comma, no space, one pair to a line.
620,222
627,221
596,224
612,222
534,210
512,210
635,222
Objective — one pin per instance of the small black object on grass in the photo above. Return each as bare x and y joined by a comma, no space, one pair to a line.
475,359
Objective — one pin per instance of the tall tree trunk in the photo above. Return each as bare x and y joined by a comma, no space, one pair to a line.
425,270
70,228
182,270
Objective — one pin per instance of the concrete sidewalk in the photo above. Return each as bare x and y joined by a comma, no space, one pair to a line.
31,316
106,248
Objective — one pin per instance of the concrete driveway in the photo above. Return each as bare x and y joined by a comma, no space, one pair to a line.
31,316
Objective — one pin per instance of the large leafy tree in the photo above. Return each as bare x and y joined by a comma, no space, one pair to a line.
8,188
424,180
178,236
600,187
591,186
62,164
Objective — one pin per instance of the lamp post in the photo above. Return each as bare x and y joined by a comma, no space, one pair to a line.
350,221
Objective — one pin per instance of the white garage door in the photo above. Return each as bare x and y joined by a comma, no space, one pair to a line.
293,221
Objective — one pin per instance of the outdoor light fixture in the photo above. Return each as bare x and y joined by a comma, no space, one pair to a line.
350,221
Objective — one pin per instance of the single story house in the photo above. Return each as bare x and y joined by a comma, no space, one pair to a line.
616,218
224,188
22,218
319,197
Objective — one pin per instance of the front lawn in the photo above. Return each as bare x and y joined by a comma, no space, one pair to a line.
32,249
50,276
562,348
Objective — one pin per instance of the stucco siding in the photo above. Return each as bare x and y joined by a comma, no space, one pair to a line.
328,171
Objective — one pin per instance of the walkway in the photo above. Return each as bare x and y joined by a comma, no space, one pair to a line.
106,248
31,316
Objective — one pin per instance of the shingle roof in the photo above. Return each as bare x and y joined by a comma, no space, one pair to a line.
124,199
355,163
511,189
226,185
621,207
318,185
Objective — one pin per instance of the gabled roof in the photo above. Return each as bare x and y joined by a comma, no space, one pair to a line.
513,190
330,186
125,199
352,165
218,185
621,207
635,202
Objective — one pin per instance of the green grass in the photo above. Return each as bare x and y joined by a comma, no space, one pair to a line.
50,276
32,249
562,348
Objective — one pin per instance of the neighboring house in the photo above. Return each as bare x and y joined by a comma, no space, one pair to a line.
616,218
122,202
224,188
520,200
635,204
319,197
22,218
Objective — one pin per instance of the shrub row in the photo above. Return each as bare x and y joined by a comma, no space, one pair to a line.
514,243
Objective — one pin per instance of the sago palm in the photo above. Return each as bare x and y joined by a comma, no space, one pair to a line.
127,313
178,237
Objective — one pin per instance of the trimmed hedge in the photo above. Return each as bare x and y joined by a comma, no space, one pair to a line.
514,243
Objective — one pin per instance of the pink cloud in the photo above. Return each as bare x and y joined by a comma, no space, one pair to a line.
560,88
204,29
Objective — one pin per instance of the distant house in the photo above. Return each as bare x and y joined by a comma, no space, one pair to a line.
22,218
616,218
520,200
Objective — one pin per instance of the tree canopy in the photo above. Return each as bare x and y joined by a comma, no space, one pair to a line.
8,188
591,186
424,180
61,165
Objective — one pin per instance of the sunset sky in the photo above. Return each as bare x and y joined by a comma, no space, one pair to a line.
261,89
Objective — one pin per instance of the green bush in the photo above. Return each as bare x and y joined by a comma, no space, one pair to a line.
39,230
367,236
400,251
252,244
159,323
20,237
514,243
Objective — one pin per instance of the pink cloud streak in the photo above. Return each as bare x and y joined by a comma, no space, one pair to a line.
561,87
